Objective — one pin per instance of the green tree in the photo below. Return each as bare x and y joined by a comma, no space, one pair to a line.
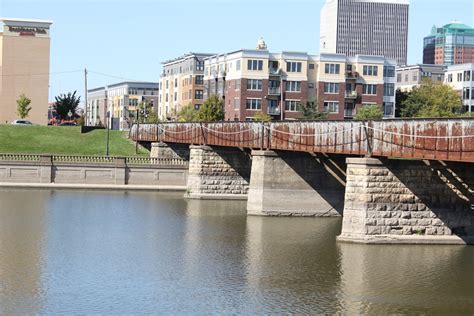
188,113
310,110
262,117
67,104
400,97
369,112
23,107
147,114
432,99
212,110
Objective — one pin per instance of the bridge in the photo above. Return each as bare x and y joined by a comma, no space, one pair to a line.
393,181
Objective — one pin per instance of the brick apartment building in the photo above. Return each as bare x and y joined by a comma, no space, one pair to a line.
252,81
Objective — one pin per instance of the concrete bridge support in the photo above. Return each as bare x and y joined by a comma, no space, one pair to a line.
295,184
169,150
400,201
218,173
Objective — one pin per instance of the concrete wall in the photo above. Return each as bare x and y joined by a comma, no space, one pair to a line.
400,201
295,184
117,172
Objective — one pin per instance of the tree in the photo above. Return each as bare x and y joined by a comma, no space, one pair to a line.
212,110
188,113
369,112
147,114
310,110
23,107
67,104
400,97
432,99
262,117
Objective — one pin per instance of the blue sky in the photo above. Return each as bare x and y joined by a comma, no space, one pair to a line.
129,39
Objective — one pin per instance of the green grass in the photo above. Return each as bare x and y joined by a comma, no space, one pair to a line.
64,140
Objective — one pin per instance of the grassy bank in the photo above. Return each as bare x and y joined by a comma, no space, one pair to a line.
64,140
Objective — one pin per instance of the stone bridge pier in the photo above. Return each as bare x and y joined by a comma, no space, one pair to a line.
400,201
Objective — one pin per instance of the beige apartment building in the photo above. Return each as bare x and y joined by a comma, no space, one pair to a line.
24,67
181,83
256,80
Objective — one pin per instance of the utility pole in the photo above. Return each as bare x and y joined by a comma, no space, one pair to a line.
85,96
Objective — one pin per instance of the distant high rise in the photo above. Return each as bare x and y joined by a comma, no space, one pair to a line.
449,45
365,27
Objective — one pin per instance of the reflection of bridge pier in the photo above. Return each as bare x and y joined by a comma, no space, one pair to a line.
299,169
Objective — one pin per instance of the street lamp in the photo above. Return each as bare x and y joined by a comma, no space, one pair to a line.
107,143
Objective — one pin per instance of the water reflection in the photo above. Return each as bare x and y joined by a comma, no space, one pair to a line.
87,252
400,279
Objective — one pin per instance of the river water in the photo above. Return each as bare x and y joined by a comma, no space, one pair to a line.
82,252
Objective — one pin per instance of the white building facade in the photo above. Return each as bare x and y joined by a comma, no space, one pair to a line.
365,27
461,78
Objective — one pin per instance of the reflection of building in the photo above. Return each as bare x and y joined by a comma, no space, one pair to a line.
461,78
119,99
365,27
409,77
24,68
449,45
181,83
252,81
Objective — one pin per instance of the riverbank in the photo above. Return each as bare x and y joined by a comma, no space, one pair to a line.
65,140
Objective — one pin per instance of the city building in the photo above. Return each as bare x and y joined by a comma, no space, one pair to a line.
255,80
365,27
24,67
181,83
409,77
449,45
119,100
461,78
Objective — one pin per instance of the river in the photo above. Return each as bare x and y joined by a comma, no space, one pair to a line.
83,252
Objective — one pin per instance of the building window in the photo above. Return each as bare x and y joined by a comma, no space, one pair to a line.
176,96
389,71
200,65
331,107
389,89
406,77
237,65
311,66
331,87
450,78
166,98
293,66
253,64
292,105
370,70
399,77
293,86
198,94
237,84
167,84
254,84
415,76
467,75
254,104
332,68
388,108
176,82
466,94
199,80
236,104
460,77
370,89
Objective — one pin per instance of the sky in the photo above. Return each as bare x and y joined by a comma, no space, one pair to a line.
119,40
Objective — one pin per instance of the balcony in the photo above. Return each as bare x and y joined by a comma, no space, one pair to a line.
349,113
351,94
274,91
352,74
274,71
273,110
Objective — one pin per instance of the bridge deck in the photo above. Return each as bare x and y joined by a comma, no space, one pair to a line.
432,139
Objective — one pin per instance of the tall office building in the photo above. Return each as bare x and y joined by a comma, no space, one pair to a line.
24,68
449,45
365,27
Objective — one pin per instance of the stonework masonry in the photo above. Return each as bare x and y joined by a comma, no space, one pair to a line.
218,173
389,201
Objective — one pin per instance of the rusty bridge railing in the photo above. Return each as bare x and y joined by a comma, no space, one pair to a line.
434,139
